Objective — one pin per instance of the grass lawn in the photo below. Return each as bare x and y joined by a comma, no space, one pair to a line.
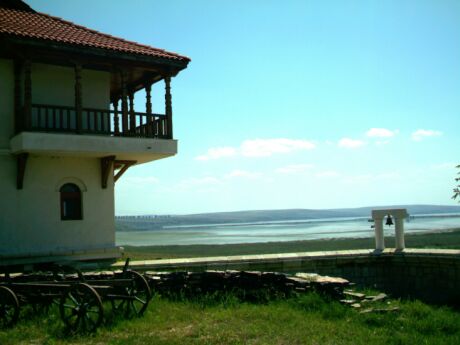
448,240
222,319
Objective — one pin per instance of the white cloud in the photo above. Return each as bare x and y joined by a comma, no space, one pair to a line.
242,173
217,152
421,134
294,168
351,143
268,147
258,148
381,133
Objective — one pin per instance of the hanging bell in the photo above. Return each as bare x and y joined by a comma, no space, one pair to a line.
389,221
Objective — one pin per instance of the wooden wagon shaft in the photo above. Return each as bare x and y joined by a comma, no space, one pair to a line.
65,283
56,286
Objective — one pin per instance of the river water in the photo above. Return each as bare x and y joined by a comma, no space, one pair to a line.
279,231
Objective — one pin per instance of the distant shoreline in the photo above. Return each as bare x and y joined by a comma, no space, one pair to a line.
442,238
300,221
270,217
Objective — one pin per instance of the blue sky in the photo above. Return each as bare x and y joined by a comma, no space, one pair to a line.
295,104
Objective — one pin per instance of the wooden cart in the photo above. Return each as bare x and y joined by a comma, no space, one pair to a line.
80,296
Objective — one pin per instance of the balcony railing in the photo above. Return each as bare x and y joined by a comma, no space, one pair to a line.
63,119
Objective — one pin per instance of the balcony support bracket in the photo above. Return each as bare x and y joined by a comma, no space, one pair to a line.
107,164
122,166
21,169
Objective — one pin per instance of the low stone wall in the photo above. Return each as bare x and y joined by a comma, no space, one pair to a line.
427,274
247,285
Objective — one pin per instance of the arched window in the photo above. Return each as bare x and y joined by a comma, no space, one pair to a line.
70,202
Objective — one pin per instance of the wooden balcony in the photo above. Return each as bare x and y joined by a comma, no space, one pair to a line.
63,119
76,119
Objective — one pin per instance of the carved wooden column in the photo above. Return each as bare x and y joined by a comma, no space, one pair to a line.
168,108
27,95
124,103
148,109
78,99
132,115
116,119
18,113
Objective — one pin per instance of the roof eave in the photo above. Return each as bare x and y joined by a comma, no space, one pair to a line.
175,65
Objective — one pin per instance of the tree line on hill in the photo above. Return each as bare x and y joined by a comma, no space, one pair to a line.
152,222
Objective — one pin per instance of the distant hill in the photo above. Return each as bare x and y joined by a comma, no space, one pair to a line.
141,223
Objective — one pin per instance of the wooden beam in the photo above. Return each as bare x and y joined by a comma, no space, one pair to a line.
107,164
148,99
27,95
148,110
116,119
151,72
18,114
21,169
98,54
124,103
124,162
168,107
123,165
132,115
78,98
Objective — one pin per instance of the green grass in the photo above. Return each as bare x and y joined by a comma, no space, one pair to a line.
223,319
449,240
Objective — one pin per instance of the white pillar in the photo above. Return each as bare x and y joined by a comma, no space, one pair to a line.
399,233
379,239
398,214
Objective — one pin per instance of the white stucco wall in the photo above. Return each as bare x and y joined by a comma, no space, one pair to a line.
55,85
30,219
95,89
6,103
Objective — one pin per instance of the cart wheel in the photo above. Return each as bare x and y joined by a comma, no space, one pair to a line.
9,307
81,308
138,296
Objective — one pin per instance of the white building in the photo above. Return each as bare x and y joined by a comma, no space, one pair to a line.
68,131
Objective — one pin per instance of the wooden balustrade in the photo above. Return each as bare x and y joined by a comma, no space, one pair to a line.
63,119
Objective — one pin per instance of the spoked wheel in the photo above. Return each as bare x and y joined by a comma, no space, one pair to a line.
134,298
9,307
81,308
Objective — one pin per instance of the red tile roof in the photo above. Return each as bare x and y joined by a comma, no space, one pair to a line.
42,26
